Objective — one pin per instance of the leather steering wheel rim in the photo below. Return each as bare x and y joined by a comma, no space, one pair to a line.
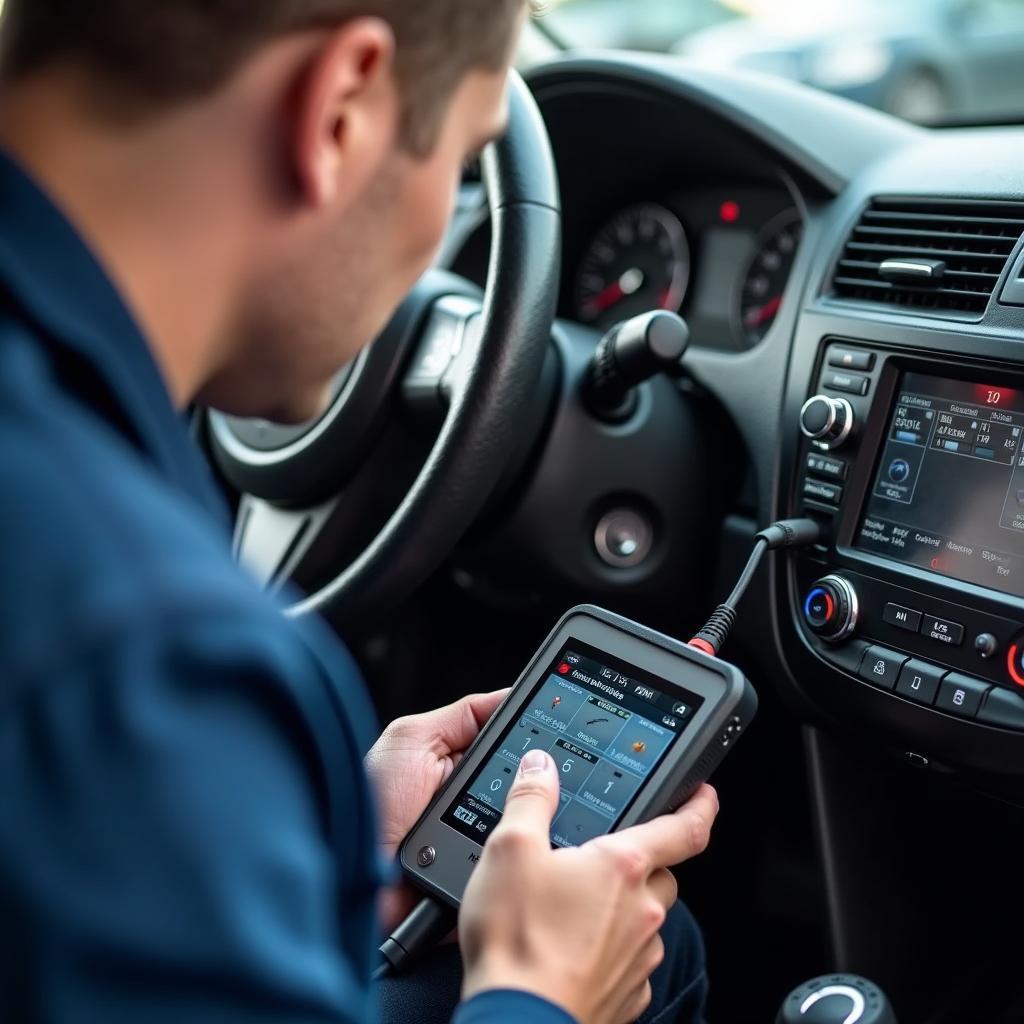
480,431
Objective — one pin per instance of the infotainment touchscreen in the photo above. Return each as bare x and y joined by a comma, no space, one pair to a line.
607,725
948,493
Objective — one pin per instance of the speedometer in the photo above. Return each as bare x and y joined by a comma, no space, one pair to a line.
767,275
639,261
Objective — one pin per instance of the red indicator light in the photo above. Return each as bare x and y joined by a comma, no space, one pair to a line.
1012,665
563,669
729,211
994,396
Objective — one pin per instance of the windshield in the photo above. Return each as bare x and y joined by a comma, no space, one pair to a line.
928,61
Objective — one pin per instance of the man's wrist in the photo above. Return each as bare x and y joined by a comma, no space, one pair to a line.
492,974
500,1005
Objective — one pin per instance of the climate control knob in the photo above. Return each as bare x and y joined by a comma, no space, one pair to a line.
826,421
831,609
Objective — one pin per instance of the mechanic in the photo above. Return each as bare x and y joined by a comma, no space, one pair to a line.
220,202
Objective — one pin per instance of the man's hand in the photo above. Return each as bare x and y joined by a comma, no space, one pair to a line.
576,926
412,760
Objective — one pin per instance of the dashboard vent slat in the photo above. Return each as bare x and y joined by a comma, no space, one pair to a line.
973,238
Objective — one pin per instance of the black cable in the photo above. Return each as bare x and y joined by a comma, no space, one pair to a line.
787,533
760,547
423,929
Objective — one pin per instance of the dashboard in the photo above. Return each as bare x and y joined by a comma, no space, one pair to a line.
854,288
720,255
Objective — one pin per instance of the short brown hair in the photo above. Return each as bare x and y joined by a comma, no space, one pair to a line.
158,52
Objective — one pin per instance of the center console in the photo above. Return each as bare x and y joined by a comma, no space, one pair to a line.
914,464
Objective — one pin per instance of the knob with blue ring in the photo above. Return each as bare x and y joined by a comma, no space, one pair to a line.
819,608
830,608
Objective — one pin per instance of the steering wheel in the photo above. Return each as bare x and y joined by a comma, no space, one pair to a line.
480,357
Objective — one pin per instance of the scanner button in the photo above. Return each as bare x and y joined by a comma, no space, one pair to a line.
426,856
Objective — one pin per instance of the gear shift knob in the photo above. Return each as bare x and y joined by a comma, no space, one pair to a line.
836,999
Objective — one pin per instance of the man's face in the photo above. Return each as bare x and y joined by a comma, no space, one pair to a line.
331,296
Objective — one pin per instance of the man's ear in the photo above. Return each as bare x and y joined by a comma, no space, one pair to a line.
346,112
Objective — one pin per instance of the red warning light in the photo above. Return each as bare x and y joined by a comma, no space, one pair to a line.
729,212
994,396
563,669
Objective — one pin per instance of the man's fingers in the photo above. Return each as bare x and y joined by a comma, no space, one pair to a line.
531,802
674,838
664,887
457,725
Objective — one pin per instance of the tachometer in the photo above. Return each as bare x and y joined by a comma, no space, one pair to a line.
766,277
638,262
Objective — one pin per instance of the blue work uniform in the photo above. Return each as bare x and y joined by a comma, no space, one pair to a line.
186,832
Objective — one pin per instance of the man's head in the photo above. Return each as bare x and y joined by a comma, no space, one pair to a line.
321,139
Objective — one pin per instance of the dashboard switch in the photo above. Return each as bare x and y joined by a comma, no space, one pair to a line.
851,359
1004,708
961,695
818,490
986,645
902,618
943,631
851,383
827,468
919,681
881,667
827,421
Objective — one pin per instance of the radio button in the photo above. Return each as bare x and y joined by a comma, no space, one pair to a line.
1002,707
820,491
851,383
902,618
919,681
851,359
961,695
943,631
827,467
880,667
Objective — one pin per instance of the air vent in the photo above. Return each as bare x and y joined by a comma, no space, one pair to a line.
943,255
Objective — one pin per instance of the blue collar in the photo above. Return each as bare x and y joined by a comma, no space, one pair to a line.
53,282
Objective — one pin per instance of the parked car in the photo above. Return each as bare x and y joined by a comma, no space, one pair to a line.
923,60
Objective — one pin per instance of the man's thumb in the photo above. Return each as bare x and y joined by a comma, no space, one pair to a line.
533,798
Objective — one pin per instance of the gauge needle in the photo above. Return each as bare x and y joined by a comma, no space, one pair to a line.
762,314
631,281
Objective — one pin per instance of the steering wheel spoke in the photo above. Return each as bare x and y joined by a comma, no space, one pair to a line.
271,542
443,358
